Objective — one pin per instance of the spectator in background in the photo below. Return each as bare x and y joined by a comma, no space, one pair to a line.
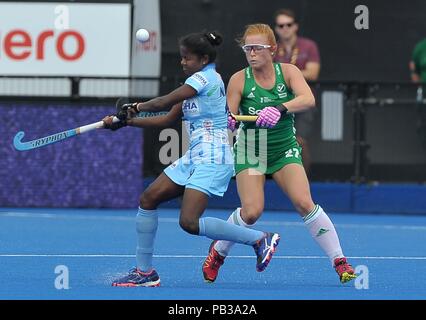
303,53
418,62
418,75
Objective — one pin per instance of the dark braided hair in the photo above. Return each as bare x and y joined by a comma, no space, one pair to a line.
202,43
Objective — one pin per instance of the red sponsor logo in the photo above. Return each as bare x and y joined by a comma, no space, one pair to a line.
18,44
150,45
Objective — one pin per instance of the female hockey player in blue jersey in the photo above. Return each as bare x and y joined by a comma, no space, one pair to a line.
204,170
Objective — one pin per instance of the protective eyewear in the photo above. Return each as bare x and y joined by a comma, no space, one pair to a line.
255,47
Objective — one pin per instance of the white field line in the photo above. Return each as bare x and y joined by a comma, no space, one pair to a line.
164,256
175,220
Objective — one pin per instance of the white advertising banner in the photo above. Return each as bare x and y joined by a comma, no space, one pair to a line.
65,39
146,60
146,56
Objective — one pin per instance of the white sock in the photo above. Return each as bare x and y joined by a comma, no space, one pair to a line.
323,232
222,246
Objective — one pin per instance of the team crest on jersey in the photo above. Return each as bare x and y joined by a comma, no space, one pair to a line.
281,87
208,124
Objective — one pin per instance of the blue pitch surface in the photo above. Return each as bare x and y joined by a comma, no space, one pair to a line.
98,245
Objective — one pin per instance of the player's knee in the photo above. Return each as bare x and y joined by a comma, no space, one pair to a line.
189,225
147,200
251,213
304,205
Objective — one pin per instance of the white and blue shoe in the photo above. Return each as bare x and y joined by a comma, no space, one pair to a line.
264,249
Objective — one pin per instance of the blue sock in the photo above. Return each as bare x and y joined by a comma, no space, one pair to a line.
146,228
218,229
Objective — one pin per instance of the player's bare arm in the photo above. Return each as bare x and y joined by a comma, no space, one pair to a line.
159,121
304,98
168,101
234,91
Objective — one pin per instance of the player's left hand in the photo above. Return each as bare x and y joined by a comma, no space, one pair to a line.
108,124
232,123
268,117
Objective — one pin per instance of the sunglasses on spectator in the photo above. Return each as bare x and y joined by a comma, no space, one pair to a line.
282,25
255,47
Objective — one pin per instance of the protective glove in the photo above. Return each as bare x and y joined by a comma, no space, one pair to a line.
268,117
232,123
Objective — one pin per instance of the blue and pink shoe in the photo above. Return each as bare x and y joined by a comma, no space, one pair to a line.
137,278
264,249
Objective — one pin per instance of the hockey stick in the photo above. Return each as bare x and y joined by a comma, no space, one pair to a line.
244,118
121,104
41,142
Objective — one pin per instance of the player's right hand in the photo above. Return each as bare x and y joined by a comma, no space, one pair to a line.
132,110
128,106
268,117
127,111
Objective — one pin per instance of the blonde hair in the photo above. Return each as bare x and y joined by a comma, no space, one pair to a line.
258,28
